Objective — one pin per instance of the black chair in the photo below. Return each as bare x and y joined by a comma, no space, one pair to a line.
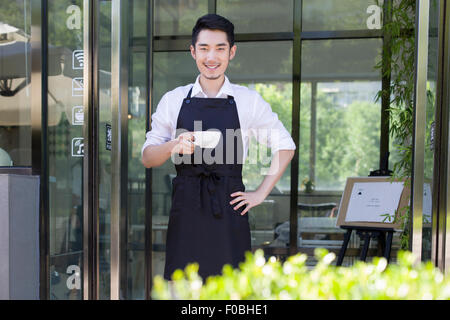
317,209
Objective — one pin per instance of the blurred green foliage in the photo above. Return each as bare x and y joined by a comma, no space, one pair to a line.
259,279
347,137
17,14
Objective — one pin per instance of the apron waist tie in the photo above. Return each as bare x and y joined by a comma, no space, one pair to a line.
209,179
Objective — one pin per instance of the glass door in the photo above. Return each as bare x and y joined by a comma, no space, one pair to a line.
116,179
97,101
79,159
65,148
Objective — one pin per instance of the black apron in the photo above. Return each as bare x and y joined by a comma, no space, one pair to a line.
203,227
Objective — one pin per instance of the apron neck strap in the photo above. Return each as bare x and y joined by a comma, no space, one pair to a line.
189,94
230,98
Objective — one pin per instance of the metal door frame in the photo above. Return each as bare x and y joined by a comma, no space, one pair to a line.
119,154
90,161
440,241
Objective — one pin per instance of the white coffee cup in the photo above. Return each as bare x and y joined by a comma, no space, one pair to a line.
207,139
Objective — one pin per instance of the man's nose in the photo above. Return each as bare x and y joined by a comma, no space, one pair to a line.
211,55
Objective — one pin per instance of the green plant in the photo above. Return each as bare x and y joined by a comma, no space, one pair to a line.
403,217
259,279
307,185
398,65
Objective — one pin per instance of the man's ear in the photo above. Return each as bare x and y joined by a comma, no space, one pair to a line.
233,52
192,51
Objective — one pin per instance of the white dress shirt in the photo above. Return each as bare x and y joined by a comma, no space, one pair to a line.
255,116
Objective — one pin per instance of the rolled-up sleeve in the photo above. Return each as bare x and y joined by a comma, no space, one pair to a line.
267,128
161,127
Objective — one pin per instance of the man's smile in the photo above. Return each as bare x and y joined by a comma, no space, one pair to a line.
212,66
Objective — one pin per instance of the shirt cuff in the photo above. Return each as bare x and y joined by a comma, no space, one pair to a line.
146,144
152,141
285,144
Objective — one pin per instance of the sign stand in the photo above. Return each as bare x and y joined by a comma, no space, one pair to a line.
367,230
384,236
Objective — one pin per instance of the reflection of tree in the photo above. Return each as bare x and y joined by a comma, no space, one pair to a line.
347,142
347,138
59,34
13,13
177,17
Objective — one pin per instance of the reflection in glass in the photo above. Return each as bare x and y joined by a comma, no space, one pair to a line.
65,148
339,132
136,177
341,87
137,95
331,15
254,16
139,19
15,83
104,154
432,73
170,70
177,17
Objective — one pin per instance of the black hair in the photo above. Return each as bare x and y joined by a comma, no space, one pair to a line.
213,22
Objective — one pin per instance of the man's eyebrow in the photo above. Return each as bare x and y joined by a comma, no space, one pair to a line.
207,45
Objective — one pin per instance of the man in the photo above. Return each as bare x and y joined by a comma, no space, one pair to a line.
208,221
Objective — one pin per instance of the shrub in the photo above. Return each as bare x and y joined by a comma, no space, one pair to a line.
259,279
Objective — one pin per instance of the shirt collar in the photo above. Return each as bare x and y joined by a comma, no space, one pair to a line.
226,88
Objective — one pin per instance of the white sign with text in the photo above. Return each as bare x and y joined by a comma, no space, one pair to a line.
370,201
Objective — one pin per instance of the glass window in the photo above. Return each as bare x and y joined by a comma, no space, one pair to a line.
339,132
137,105
136,176
139,19
256,16
15,83
65,148
342,85
170,70
177,17
430,133
331,15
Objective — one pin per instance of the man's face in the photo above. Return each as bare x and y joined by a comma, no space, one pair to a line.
212,53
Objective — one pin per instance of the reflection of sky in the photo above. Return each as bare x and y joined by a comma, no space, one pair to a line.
345,93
